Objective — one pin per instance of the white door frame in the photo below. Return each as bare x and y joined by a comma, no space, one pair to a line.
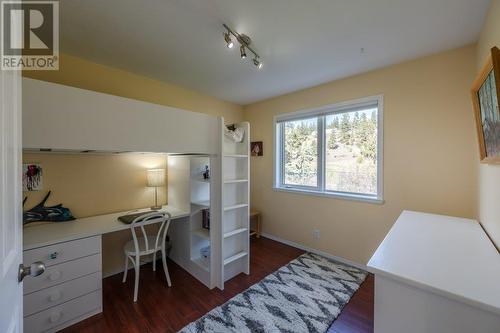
11,292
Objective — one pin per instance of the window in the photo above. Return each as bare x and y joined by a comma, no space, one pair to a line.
334,151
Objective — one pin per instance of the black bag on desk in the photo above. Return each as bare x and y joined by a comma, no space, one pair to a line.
40,212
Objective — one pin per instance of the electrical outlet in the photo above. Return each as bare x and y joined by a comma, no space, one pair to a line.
316,234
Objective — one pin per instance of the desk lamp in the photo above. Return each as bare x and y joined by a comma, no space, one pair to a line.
156,178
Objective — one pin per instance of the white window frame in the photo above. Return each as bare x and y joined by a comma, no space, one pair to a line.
319,190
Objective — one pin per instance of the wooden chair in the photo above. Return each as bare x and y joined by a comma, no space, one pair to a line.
146,245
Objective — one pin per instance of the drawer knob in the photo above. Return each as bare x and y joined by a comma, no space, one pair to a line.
55,296
55,316
53,255
54,276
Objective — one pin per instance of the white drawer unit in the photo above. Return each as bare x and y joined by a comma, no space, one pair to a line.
61,293
70,290
62,252
63,272
65,314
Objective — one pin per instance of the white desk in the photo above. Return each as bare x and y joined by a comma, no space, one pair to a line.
436,273
50,233
71,288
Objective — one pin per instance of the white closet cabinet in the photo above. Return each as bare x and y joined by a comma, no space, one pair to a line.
65,118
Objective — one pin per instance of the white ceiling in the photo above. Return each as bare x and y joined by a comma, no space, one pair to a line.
301,42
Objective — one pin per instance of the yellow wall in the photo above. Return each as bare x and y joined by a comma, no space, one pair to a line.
429,149
96,184
84,74
489,175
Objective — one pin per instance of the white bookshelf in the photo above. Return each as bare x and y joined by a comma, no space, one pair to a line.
232,181
202,233
227,195
232,207
236,155
235,190
200,200
187,187
234,232
237,256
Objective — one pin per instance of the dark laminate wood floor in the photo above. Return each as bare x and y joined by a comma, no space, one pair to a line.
163,309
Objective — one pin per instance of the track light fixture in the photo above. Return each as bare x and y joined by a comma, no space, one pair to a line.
245,42
229,41
257,63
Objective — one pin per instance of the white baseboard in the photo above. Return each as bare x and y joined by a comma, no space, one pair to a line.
321,253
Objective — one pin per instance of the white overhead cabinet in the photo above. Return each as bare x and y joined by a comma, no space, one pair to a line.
62,118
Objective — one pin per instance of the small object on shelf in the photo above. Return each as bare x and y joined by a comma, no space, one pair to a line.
206,219
206,174
205,251
40,212
235,135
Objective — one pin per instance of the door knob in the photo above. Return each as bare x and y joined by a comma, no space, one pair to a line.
33,270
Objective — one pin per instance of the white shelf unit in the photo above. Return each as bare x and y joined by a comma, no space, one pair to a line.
202,233
236,155
227,195
237,256
232,181
187,187
235,204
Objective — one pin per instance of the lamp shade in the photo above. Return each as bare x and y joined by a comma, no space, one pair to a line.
156,177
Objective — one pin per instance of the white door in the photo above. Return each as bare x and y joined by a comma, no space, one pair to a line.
11,291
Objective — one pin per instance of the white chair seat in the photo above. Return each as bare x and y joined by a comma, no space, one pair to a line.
129,248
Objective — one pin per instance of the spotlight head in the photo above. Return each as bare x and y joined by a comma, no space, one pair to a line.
257,63
229,42
243,53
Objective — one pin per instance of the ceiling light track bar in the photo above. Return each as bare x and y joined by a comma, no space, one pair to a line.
244,41
241,39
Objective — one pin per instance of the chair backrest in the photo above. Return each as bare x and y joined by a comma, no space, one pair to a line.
163,218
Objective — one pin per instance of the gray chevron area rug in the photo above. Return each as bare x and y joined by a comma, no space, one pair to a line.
306,295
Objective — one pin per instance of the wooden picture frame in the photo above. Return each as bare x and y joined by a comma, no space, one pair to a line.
485,100
257,148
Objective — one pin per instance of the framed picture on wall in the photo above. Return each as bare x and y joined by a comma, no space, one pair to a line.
485,99
257,148
32,177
